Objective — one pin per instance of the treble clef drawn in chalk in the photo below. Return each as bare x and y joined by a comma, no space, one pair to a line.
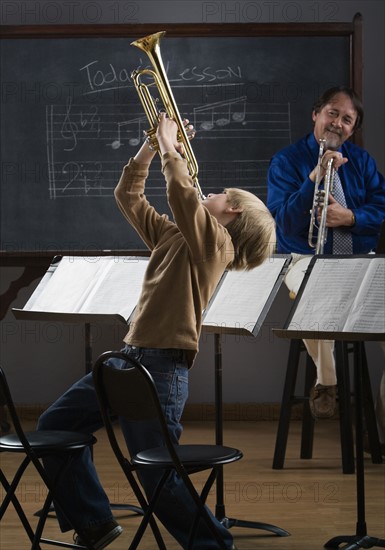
220,114
69,129
133,131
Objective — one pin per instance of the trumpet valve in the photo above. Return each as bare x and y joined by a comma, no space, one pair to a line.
150,137
320,198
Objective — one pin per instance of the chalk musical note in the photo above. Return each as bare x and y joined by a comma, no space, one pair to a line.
132,141
77,134
220,114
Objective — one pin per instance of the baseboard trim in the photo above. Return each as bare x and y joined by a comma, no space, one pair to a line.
238,411
205,412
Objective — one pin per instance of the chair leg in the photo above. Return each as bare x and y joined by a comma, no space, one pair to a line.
51,486
370,416
41,523
148,511
308,422
201,508
11,497
144,506
345,412
287,397
203,496
346,421
35,537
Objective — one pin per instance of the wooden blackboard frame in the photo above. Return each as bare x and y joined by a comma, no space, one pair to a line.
36,263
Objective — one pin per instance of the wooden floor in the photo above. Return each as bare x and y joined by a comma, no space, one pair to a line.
311,499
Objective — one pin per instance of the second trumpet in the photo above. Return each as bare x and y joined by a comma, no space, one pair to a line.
318,213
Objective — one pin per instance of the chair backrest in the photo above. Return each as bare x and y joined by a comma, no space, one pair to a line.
128,392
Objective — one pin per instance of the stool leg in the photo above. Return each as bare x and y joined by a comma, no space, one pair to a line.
346,426
287,401
370,416
307,418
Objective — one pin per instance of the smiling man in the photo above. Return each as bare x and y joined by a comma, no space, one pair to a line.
353,217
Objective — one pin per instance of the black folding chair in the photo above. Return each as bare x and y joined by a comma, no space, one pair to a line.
36,445
130,394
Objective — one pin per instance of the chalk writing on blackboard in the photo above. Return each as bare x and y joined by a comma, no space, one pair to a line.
107,76
75,129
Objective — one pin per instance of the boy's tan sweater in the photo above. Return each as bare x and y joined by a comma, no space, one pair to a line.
188,257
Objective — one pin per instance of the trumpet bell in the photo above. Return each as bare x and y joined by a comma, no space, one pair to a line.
149,43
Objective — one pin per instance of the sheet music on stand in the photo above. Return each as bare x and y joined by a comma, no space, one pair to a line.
342,295
105,287
90,289
243,298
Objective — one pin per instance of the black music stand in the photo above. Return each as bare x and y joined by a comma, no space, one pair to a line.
41,308
270,277
346,332
84,304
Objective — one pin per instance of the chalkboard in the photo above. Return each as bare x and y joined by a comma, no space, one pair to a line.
71,118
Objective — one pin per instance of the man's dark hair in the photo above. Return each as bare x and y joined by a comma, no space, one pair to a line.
327,96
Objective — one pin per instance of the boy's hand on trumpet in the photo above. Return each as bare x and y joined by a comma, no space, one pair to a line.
167,132
166,135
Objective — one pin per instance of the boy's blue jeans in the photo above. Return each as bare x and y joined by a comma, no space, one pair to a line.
81,495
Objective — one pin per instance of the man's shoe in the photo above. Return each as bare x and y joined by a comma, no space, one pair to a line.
322,401
99,537
367,448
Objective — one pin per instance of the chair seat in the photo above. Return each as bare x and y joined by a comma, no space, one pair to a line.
47,441
192,456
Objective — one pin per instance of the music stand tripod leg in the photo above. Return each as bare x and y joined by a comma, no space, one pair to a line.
220,512
354,542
